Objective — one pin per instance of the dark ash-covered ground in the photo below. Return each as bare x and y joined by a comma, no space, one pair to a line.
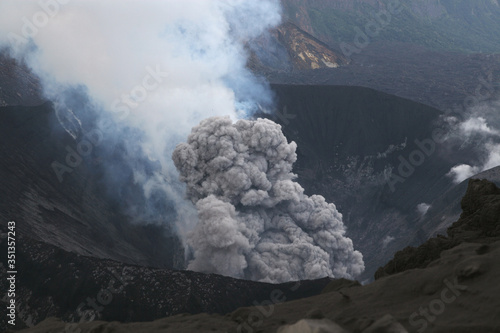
455,291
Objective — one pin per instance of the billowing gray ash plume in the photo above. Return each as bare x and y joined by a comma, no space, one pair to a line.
255,221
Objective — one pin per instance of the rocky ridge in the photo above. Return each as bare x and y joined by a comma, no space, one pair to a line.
478,223
53,282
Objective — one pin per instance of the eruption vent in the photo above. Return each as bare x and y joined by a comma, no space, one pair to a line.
255,221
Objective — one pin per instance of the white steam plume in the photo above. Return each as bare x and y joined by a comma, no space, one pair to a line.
255,222
461,172
480,130
156,67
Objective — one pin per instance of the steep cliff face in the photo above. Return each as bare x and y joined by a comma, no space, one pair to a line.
306,51
289,47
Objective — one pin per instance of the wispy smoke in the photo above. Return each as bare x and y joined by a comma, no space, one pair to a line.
461,172
422,208
387,239
476,125
481,131
255,221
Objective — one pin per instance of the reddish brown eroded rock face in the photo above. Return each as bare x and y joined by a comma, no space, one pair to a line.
306,51
303,51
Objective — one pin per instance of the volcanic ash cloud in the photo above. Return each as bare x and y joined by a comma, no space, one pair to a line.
255,222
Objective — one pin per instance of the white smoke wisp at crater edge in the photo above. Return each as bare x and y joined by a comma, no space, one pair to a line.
255,221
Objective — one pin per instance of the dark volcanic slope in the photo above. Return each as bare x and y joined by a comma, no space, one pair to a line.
289,47
457,292
18,86
478,223
75,214
447,208
337,121
349,139
461,25
439,79
54,282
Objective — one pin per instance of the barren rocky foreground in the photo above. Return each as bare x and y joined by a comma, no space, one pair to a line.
448,287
